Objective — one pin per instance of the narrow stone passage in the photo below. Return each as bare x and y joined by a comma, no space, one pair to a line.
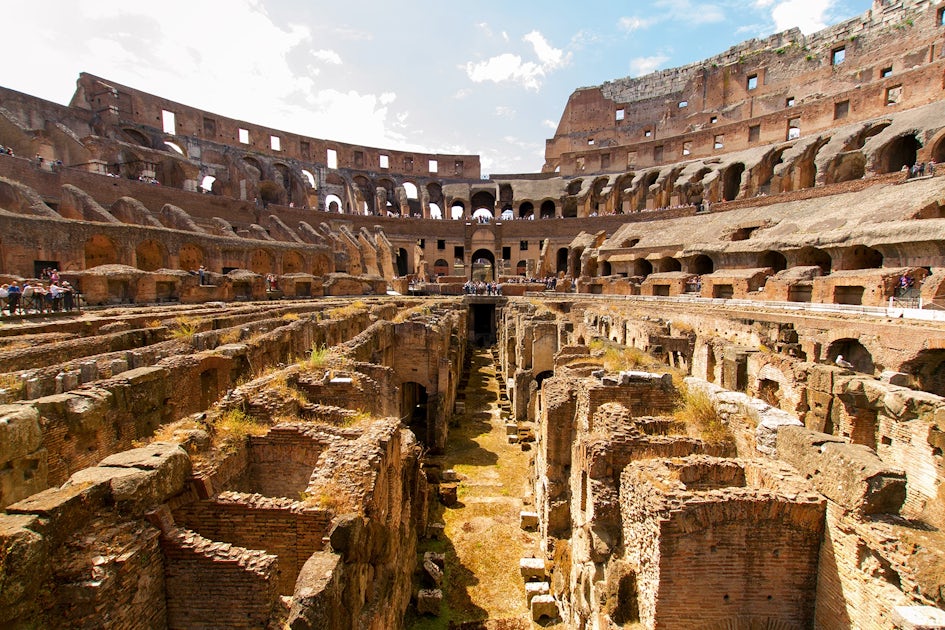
483,538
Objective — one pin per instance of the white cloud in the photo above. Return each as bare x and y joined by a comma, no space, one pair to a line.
646,65
511,67
807,15
505,111
551,124
633,23
328,56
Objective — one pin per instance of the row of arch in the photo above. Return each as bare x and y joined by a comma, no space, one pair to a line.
151,255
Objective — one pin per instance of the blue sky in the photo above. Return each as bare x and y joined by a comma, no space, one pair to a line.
491,78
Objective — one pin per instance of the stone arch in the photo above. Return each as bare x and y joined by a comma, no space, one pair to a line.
365,193
772,259
483,265
813,257
574,261
605,268
435,191
853,351
858,140
642,267
732,181
441,267
190,256
136,137
483,199
861,257
150,255
521,268
548,209
261,262
595,198
292,262
255,165
763,173
937,150
322,265
574,187
561,260
100,250
845,167
927,369
701,265
414,409
666,264
171,173
526,209
898,152
458,210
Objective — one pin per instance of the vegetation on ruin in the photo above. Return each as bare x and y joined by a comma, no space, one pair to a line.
341,312
11,386
619,358
235,425
698,412
184,329
230,335
318,356
329,495
291,317
422,310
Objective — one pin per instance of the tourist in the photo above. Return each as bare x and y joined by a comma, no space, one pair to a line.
13,297
202,274
68,298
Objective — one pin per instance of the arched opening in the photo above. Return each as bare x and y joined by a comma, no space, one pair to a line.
732,181
190,257
541,377
309,178
435,212
846,167
627,608
483,199
401,262
775,260
561,260
457,210
254,167
483,265
365,194
411,190
928,371
667,264
174,147
862,257
521,268
292,262
853,352
938,151
858,141
642,267
896,153
548,210
605,268
321,265
483,215
100,250
260,261
333,203
814,257
507,214
574,260
526,210
136,137
150,256
701,265
441,268
414,411
574,187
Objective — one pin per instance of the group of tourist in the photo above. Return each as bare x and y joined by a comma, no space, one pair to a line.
919,169
34,296
6,151
548,281
482,288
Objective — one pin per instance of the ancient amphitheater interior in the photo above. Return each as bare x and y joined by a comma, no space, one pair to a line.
690,375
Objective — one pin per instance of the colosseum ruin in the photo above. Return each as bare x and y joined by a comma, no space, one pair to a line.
689,376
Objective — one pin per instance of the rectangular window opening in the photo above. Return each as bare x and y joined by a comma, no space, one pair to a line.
440,244
523,245
275,143
618,115
841,110
893,95
789,102
682,104
433,166
719,141
687,148
754,133
647,133
384,161
885,72
713,120
658,153
243,135
332,158
590,142
794,129
752,82
167,118
838,56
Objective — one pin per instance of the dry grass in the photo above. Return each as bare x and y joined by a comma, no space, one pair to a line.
318,356
235,425
154,323
230,335
341,312
329,495
291,317
697,411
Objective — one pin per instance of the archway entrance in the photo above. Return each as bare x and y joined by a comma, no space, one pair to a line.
483,266
414,411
